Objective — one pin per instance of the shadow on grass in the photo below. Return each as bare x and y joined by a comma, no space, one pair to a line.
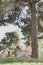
21,60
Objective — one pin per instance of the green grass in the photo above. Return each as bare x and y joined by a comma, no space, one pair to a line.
22,63
22,60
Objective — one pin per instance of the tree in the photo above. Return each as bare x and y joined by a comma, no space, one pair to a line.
34,29
11,38
40,18
34,32
0,10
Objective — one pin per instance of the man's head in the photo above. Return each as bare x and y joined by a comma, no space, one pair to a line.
27,43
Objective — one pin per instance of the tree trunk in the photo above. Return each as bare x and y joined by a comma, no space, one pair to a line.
0,9
34,31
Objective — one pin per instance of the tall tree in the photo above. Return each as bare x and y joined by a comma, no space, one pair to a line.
0,10
34,33
34,29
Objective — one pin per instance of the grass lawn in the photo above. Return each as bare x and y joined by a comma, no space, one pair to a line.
20,61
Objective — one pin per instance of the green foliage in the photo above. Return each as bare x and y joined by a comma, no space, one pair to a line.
11,38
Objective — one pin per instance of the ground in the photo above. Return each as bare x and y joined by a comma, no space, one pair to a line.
20,61
23,64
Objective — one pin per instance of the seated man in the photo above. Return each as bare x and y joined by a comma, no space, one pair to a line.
27,52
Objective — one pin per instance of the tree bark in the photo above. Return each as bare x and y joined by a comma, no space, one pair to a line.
0,9
34,31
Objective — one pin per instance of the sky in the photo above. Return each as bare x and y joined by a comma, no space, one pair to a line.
41,0
8,28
